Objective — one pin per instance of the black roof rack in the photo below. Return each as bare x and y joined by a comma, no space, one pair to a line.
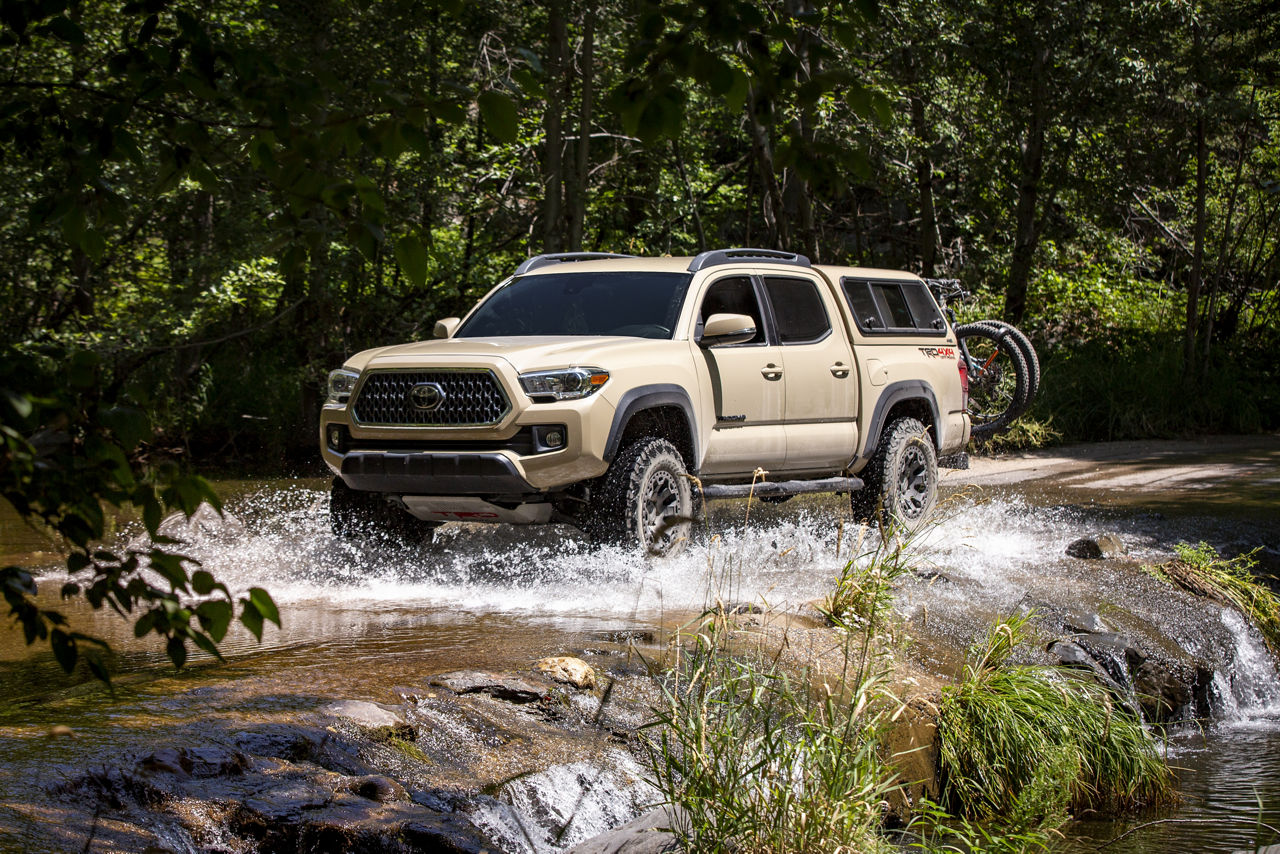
564,257
716,257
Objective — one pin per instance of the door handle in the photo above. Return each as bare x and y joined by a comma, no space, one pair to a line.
840,370
771,372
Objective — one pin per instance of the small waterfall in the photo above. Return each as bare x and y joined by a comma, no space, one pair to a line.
1250,689
564,805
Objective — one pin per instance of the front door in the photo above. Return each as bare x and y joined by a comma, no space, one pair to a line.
747,386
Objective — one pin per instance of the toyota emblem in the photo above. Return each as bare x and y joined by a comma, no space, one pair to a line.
426,396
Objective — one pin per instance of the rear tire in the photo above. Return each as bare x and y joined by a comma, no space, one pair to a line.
999,379
901,480
646,499
1029,355
354,514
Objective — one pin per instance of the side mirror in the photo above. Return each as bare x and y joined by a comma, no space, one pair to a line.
721,329
445,328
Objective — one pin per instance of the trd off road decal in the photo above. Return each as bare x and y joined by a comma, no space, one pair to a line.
939,352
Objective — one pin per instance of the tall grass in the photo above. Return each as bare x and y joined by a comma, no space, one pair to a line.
757,761
1200,570
1030,744
756,758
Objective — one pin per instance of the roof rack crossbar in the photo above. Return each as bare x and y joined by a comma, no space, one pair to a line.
564,257
716,257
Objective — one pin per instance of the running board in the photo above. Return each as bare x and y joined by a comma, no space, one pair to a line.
762,488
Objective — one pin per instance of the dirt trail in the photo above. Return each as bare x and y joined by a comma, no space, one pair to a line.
1239,470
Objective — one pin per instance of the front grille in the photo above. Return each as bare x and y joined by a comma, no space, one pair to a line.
470,398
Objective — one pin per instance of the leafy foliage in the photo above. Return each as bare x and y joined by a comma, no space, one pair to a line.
65,456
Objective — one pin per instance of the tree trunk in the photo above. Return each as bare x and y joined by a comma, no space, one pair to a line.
928,235
577,190
771,206
1030,171
553,128
1195,279
1225,242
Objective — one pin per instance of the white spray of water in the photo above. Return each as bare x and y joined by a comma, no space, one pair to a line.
1249,690
564,805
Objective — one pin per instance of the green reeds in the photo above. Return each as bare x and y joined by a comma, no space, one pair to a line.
1200,570
1028,744
757,761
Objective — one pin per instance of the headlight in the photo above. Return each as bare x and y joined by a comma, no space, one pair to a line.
341,382
566,384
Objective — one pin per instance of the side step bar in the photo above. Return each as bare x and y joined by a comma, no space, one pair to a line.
715,491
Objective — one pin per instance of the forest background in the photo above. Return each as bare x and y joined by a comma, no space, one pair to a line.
206,207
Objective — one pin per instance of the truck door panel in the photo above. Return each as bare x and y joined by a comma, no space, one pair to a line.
747,386
821,381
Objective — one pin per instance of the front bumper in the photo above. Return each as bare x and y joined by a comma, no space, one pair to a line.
434,473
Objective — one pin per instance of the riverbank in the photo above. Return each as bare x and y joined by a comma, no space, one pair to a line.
380,624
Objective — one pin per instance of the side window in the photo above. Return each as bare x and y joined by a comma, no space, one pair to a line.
797,309
893,307
734,295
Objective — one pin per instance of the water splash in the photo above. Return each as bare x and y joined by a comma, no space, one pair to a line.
1248,691
564,805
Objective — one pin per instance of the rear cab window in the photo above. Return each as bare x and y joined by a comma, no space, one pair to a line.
893,307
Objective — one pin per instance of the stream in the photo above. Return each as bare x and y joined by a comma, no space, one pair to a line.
378,622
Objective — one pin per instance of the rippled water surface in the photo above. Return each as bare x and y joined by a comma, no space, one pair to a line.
361,621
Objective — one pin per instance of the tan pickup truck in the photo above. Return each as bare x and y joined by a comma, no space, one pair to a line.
615,393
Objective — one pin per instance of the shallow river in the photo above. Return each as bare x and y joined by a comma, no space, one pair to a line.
361,622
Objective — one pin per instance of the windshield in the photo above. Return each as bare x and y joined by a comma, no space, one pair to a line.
634,304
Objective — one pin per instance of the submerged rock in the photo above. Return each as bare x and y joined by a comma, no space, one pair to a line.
569,671
1096,548
371,716
513,689
648,834
1161,688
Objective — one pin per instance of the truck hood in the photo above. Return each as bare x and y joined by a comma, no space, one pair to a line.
522,353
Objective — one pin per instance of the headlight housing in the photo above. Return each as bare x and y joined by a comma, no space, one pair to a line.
563,384
341,384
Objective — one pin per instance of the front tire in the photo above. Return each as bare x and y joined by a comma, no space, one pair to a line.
646,499
901,480
354,514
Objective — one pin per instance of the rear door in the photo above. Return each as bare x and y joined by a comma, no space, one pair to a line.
821,406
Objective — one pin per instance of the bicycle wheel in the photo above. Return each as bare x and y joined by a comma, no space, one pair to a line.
1028,353
998,378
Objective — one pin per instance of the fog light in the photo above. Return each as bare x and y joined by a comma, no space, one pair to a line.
335,437
549,437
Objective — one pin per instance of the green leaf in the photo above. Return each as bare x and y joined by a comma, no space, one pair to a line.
202,640
64,649
261,600
170,567
130,425
859,100
66,30
251,617
412,258
19,403
203,582
499,113
177,650
145,624
215,617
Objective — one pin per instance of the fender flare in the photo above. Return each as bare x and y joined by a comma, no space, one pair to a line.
647,397
893,394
